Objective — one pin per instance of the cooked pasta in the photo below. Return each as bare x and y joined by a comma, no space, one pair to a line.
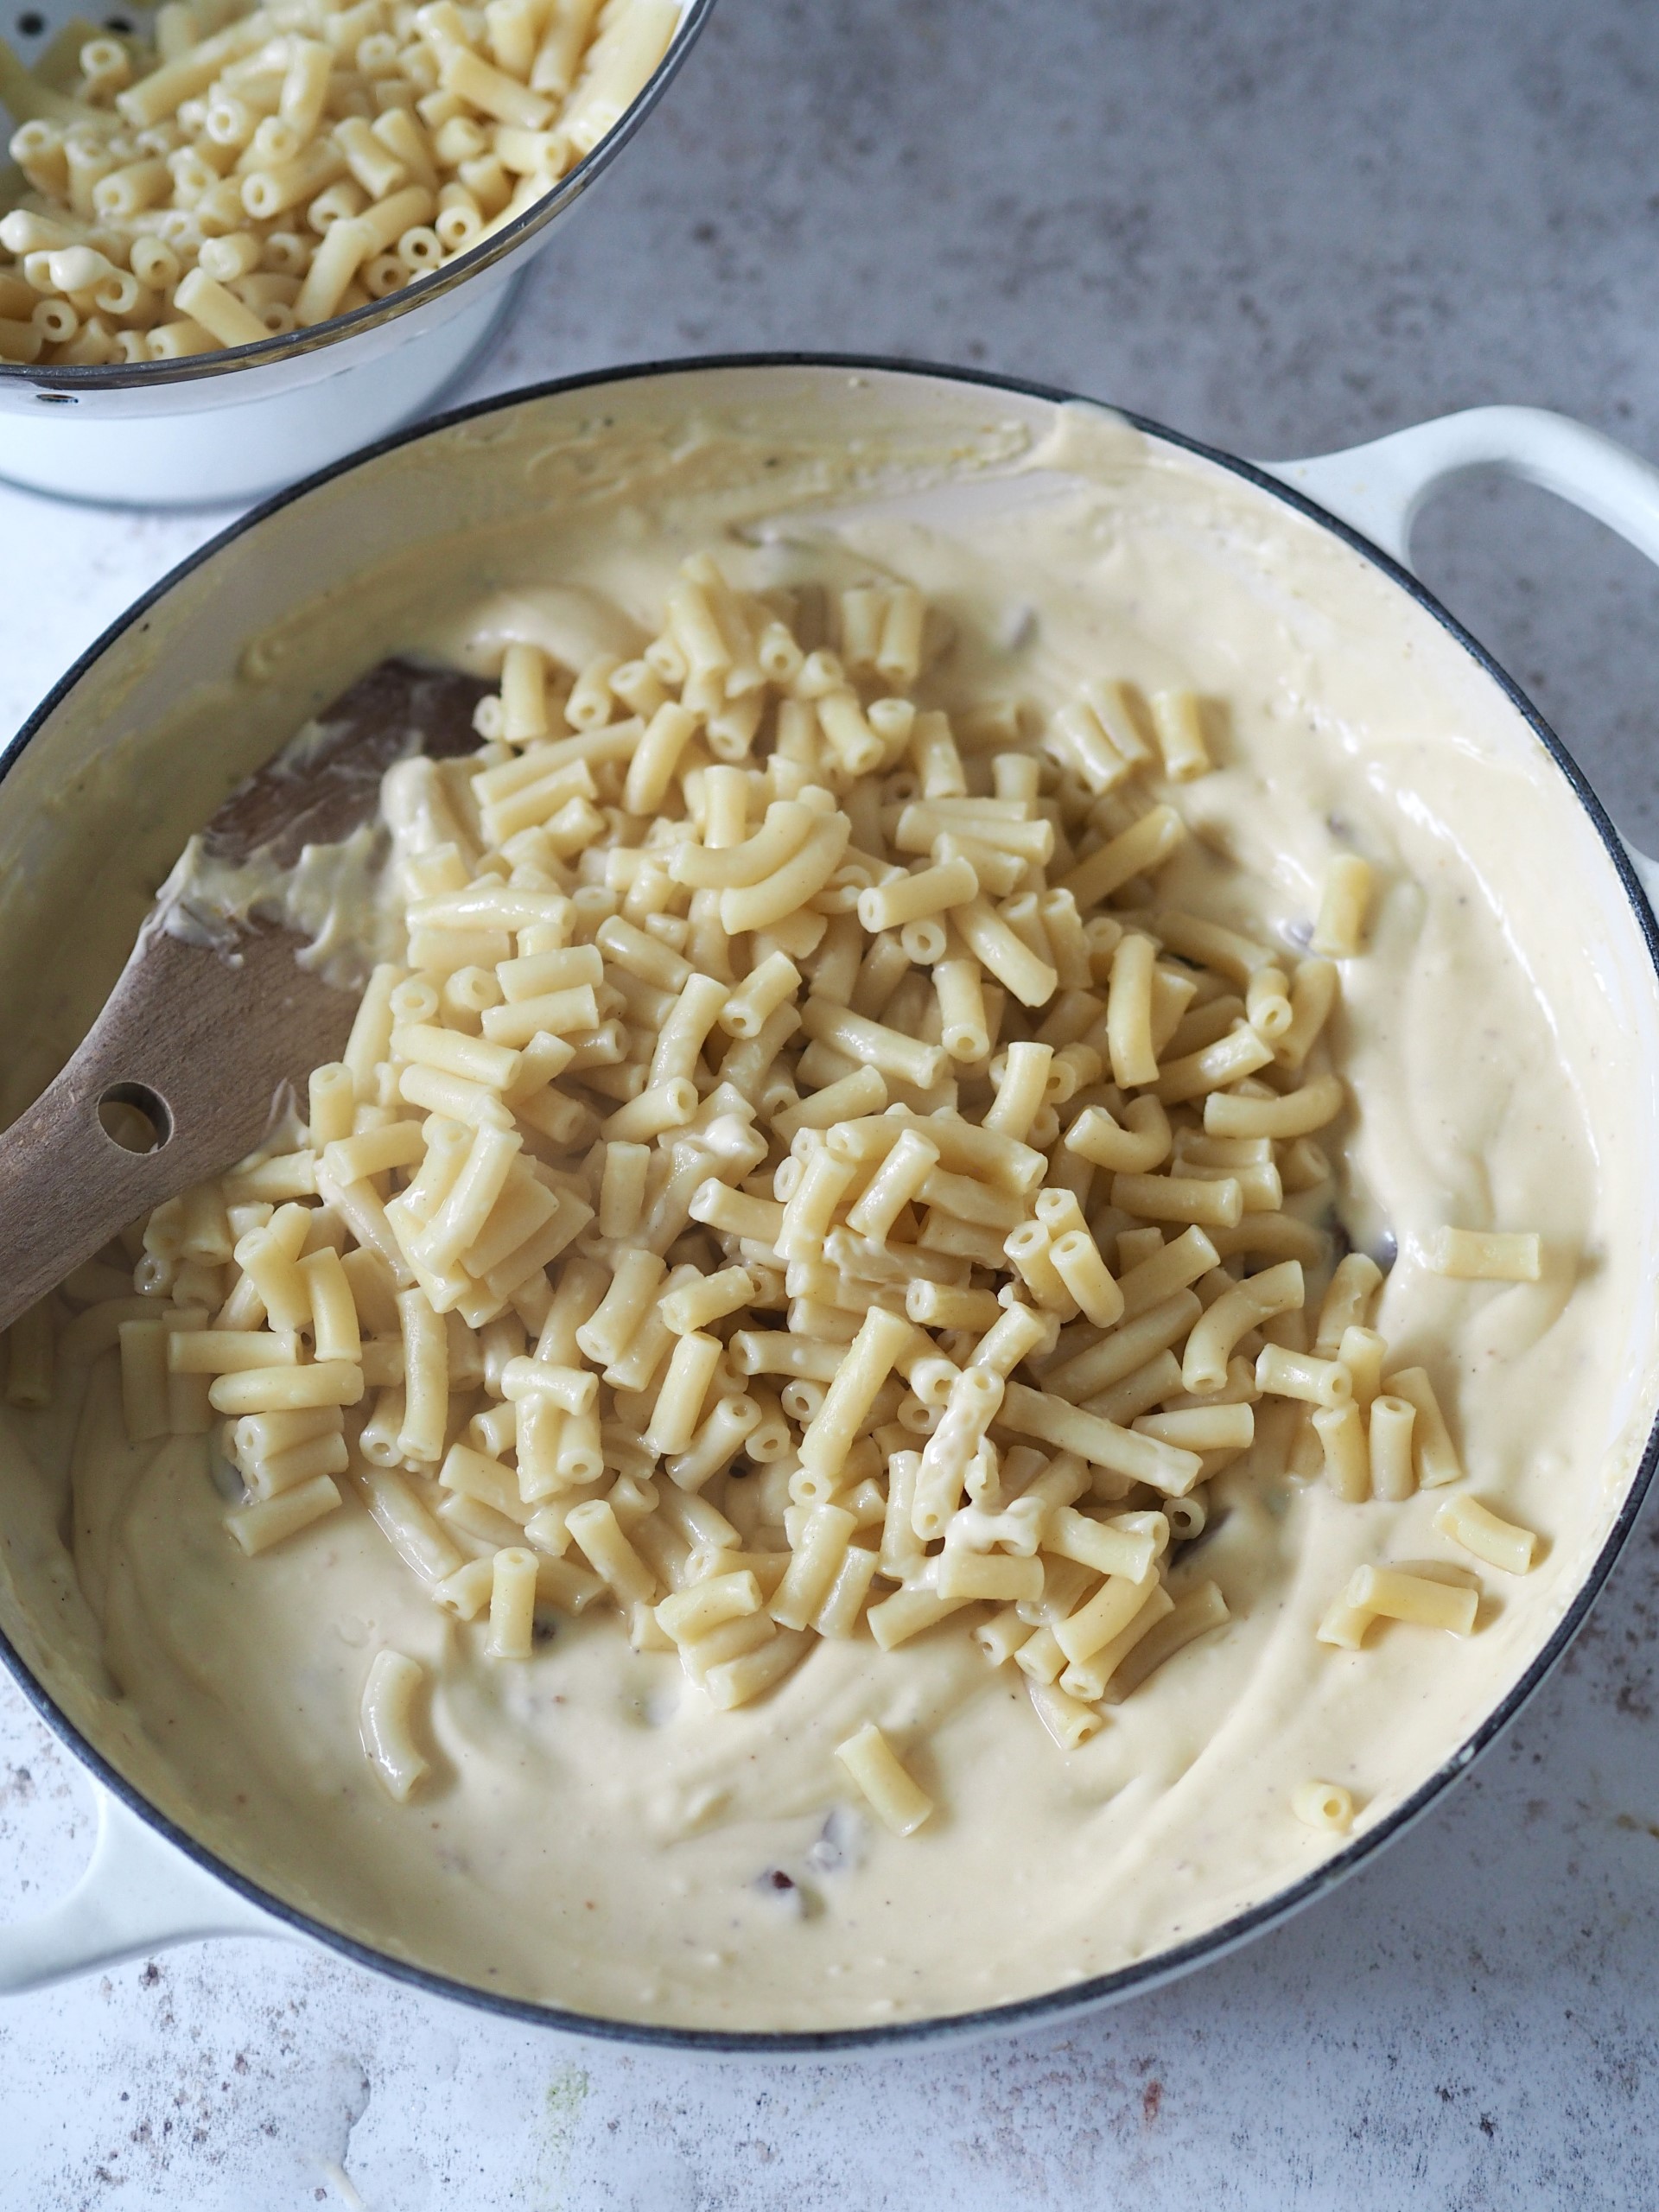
263,169
674,1237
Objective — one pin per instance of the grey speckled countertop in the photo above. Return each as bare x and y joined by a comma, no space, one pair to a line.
1282,226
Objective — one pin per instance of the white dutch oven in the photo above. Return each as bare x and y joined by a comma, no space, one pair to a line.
236,423
150,1883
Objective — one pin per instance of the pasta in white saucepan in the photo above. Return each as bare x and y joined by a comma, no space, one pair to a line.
649,1083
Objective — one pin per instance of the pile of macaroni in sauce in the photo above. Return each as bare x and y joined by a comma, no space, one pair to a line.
257,170
802,1182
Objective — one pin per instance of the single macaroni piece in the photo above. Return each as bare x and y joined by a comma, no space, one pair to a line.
272,1520
1387,1592
389,1693
1339,928
1388,1435
1486,1255
1068,1719
1285,1374
1485,1535
512,1604
1434,1454
898,1801
1355,1281
1324,1805
221,190
1177,723
1341,1433
763,1208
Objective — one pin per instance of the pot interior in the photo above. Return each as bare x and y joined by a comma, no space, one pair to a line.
1345,690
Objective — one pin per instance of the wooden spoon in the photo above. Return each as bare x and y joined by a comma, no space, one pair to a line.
199,1039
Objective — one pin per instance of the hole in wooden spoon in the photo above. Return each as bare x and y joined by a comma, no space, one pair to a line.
135,1117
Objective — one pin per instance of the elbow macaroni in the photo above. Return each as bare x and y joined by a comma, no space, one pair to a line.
297,164
744,1036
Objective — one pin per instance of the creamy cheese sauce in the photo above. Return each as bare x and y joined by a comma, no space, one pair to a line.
594,1834
331,899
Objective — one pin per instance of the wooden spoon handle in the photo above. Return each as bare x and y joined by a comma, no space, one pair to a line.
208,1047
67,1186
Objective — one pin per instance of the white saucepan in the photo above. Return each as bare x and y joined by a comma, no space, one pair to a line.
235,423
150,1883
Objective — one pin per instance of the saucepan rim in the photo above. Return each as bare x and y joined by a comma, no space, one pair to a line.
1052,2006
63,382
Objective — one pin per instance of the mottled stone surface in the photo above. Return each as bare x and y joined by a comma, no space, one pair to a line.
1283,227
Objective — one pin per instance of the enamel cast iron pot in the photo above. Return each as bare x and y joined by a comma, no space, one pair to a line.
229,614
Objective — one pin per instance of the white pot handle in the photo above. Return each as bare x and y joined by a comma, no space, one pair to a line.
139,1895
1380,489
